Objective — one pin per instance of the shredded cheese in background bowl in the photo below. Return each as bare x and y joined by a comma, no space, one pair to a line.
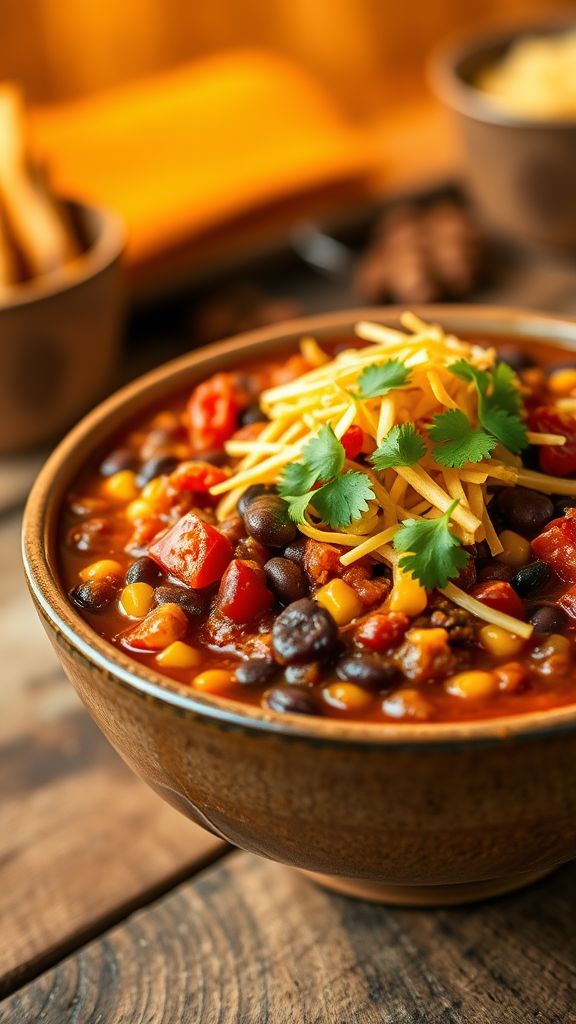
437,416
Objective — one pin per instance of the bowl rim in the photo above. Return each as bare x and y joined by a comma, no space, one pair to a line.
105,249
442,68
42,508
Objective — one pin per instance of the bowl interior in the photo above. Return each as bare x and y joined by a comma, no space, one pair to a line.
100,426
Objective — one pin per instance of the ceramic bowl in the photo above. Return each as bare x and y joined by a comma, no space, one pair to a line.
402,813
520,170
60,337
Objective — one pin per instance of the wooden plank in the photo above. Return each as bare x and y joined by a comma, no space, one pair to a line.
252,941
82,840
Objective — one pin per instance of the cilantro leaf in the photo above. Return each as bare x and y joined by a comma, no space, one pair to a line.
380,378
344,499
508,429
297,505
402,446
505,393
322,458
434,555
457,441
465,371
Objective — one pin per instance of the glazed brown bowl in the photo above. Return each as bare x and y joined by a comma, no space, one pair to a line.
414,813
60,336
520,170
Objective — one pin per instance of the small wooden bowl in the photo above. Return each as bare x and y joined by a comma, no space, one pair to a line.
520,169
405,813
60,337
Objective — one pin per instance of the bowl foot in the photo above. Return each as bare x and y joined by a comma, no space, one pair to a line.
425,895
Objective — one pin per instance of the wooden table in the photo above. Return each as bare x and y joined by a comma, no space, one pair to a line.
116,910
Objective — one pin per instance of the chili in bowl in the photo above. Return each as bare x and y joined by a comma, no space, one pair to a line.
354,534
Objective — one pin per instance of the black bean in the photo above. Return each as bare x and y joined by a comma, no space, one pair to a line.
256,671
194,602
531,457
92,535
94,595
296,550
254,491
515,357
561,506
549,618
530,578
250,550
523,510
286,580
368,671
144,570
303,632
292,699
118,460
253,414
495,571
267,519
216,458
157,466
306,675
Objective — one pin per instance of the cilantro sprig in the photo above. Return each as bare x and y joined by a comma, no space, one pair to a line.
340,499
377,380
402,446
434,554
457,442
499,403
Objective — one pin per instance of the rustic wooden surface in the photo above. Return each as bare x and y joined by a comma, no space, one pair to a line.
112,910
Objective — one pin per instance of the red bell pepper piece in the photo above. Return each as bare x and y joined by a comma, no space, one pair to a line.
501,596
556,546
352,441
193,551
196,476
212,412
382,630
243,594
558,460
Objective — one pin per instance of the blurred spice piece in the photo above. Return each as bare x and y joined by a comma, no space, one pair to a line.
422,254
240,307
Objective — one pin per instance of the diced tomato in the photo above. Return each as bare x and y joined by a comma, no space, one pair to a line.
248,433
212,411
558,460
382,630
352,441
193,551
197,476
568,602
161,627
556,546
243,594
501,596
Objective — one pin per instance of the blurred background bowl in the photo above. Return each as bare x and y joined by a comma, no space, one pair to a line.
520,170
60,336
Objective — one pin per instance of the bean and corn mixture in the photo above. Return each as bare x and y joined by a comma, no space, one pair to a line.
382,531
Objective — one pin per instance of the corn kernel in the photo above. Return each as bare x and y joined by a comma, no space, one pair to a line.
178,655
136,600
347,697
105,569
155,493
139,509
472,685
517,549
121,486
407,595
214,680
562,382
500,642
433,639
338,598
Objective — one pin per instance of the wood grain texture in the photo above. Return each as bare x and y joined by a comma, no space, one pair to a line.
82,840
250,941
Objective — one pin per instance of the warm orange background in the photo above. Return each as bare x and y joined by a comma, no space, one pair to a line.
371,51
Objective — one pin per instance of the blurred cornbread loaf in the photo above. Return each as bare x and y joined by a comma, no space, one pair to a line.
37,236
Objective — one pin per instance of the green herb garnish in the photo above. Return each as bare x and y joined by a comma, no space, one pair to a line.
435,555
402,446
498,402
457,442
341,498
380,378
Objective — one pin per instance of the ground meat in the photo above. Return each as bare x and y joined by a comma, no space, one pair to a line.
370,591
425,664
233,528
321,562
458,623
